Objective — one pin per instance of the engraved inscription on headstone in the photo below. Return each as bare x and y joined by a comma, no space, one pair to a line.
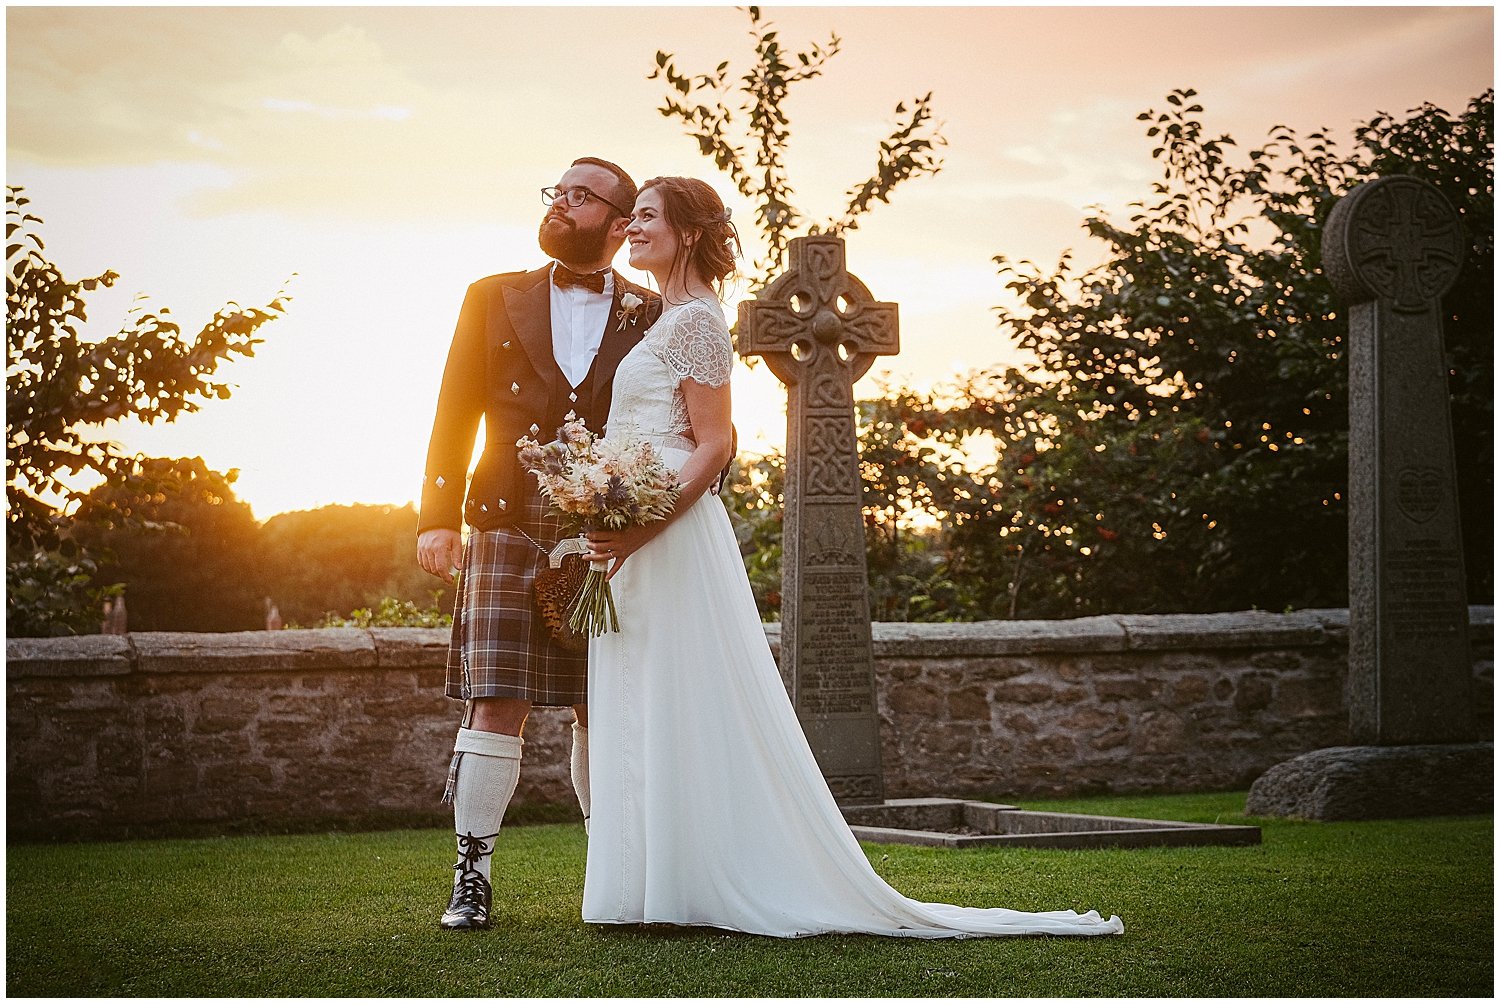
1392,247
819,330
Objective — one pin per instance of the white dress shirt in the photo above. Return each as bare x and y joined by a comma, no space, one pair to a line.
578,319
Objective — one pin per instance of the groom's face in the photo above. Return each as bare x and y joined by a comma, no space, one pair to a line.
581,234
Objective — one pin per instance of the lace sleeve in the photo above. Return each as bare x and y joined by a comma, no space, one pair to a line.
698,346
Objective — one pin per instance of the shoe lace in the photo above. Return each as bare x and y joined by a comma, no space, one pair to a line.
472,887
470,890
471,849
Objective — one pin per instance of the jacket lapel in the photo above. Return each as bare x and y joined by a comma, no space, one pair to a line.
620,334
529,310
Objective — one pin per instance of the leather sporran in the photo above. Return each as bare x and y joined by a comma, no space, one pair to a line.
556,589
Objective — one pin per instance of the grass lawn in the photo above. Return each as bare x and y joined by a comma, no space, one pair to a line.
1398,908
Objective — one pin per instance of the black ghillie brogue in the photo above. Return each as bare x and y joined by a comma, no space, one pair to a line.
469,909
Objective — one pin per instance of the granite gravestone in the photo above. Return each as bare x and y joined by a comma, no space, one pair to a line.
1392,248
819,330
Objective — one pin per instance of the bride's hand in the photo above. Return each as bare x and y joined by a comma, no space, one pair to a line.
614,546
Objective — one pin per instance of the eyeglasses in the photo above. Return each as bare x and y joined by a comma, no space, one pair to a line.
576,197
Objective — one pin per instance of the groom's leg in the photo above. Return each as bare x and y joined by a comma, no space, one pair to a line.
579,761
486,767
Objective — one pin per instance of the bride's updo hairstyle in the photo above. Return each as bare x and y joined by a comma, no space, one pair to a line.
698,215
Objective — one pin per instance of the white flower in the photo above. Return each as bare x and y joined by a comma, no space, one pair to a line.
629,304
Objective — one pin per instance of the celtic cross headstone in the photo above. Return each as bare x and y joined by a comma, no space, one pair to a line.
819,330
1392,247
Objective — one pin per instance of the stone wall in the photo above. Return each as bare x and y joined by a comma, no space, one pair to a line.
169,733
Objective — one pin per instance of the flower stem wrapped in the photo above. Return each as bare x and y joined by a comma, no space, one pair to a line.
599,484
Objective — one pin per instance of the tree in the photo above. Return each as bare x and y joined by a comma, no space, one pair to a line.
186,551
1181,443
341,558
702,102
61,388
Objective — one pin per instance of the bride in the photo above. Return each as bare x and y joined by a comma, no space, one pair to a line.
708,808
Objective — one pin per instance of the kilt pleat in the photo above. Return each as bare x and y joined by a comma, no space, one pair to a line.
500,645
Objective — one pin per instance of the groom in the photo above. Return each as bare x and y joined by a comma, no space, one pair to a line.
530,347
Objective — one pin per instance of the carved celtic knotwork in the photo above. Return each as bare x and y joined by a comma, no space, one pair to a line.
1395,239
817,317
828,391
828,469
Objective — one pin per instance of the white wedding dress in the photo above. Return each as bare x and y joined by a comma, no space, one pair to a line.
708,808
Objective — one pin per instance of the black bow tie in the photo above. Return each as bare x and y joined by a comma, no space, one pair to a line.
563,277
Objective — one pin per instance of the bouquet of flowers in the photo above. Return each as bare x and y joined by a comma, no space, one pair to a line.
599,484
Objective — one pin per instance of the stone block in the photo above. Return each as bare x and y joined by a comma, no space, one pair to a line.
1022,692
1020,723
1073,670
170,685
1305,697
90,697
360,742
158,780
1253,693
410,647
1276,659
1084,634
1132,688
254,651
1158,733
1091,719
83,655
1378,782
299,704
385,705
284,737
1189,690
1049,750
1111,738
239,776
1241,629
969,705
224,714
119,752
913,699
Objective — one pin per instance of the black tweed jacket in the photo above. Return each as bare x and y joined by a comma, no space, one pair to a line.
501,368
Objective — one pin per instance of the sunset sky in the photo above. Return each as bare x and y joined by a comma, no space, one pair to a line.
389,156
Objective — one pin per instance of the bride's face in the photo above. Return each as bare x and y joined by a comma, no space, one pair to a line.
654,243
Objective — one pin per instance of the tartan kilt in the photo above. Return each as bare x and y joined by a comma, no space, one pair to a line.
500,645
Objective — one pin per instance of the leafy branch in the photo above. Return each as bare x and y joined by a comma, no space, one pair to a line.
60,385
710,107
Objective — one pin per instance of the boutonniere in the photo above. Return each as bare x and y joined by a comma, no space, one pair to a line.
630,304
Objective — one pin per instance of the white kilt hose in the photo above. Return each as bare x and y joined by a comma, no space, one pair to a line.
501,646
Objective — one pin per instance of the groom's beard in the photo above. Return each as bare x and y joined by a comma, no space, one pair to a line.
562,239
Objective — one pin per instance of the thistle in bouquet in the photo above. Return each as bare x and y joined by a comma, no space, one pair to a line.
599,484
